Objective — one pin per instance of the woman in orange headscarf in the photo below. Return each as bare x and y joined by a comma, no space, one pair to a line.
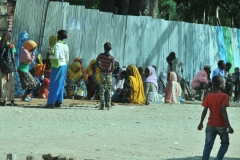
26,79
133,91
173,88
84,74
93,73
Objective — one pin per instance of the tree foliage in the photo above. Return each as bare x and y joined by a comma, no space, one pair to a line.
180,10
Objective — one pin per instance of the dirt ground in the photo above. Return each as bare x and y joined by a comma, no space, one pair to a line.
154,132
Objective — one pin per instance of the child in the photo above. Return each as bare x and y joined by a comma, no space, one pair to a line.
218,123
105,62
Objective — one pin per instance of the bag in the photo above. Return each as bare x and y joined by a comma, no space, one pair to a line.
7,64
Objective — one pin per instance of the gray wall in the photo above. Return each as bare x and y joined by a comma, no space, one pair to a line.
135,40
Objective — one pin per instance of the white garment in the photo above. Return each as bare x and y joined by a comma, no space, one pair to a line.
61,52
116,85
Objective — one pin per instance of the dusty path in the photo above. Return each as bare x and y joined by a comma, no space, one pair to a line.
152,132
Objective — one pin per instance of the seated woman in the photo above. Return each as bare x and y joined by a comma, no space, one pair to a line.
75,84
162,82
133,91
151,86
44,88
85,76
93,74
173,89
118,85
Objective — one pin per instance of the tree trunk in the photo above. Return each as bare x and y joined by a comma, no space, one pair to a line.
145,7
107,5
154,8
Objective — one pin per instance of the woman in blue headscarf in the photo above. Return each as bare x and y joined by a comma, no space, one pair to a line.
23,37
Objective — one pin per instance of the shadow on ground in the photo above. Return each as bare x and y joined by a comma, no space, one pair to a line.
200,158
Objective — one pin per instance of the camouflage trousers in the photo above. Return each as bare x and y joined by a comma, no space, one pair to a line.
105,86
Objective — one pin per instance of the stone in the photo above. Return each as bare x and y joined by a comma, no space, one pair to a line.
11,156
72,158
29,157
50,156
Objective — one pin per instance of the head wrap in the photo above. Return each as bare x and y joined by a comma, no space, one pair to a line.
152,78
89,70
52,41
40,58
207,66
71,71
137,91
29,45
6,37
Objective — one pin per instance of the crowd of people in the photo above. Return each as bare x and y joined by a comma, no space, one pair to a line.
25,73
103,79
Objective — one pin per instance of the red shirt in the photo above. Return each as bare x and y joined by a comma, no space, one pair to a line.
215,102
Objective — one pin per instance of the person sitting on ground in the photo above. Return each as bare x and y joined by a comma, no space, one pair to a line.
218,122
175,65
44,88
141,72
133,91
202,79
173,89
85,77
118,85
236,81
162,82
151,86
75,84
93,73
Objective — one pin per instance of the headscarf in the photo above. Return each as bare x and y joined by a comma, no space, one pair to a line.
152,78
39,67
173,89
6,37
52,41
71,71
137,91
85,77
29,45
89,70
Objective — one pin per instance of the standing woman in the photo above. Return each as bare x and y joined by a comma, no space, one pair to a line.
26,58
22,38
7,79
59,59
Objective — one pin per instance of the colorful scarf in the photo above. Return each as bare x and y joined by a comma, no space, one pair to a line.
152,78
89,70
71,71
85,77
173,89
137,90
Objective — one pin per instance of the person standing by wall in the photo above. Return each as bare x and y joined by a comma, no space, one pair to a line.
26,58
7,79
59,59
105,61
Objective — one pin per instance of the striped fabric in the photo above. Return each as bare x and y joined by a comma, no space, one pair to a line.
106,60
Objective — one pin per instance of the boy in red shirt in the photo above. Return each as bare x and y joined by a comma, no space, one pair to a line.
218,123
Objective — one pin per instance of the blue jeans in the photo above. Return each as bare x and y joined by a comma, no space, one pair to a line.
211,133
